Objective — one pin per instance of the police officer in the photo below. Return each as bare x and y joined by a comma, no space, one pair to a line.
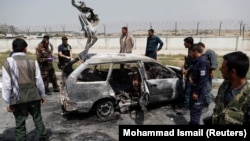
188,43
45,59
213,64
198,81
232,103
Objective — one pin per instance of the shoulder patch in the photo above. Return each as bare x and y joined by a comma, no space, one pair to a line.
203,73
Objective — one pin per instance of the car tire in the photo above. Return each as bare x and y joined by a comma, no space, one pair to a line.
104,109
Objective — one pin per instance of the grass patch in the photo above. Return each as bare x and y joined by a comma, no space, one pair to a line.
178,60
175,60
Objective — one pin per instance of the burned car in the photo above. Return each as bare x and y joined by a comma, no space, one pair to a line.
104,83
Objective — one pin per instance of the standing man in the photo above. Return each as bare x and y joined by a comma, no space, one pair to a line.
64,56
154,44
188,43
45,59
126,41
50,46
198,81
232,103
213,64
23,90
51,51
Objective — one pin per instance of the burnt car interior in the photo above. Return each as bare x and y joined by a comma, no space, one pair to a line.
94,73
156,71
123,76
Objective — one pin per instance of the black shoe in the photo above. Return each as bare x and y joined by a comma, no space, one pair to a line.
46,90
56,89
49,93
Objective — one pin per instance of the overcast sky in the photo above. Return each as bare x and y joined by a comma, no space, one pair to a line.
52,12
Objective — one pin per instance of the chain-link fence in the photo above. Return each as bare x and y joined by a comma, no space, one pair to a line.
139,28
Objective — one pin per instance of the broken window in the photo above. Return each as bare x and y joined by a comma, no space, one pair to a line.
122,76
156,71
94,72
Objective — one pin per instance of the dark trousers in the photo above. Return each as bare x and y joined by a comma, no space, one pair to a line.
49,76
195,112
151,54
187,94
196,107
52,77
21,112
208,94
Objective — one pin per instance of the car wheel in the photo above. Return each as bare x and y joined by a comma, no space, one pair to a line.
104,109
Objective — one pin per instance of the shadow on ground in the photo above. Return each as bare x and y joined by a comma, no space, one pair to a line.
9,135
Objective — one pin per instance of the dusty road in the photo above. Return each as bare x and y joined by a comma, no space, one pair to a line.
86,127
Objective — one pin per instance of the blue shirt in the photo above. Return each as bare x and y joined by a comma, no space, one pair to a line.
230,94
152,43
212,58
199,74
65,49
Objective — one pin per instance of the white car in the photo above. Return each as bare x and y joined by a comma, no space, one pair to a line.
104,83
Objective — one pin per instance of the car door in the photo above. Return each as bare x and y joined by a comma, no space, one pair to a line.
89,85
161,82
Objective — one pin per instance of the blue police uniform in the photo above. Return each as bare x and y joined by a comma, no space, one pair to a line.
199,76
213,64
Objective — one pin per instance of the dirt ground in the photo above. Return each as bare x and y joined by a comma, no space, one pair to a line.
87,127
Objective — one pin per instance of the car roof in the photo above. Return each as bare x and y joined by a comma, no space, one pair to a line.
116,57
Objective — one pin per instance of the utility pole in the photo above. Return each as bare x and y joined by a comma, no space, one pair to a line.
45,30
220,28
175,28
104,29
63,27
28,30
243,30
241,22
197,32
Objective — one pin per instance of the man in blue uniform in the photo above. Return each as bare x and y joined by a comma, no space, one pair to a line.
213,64
198,81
